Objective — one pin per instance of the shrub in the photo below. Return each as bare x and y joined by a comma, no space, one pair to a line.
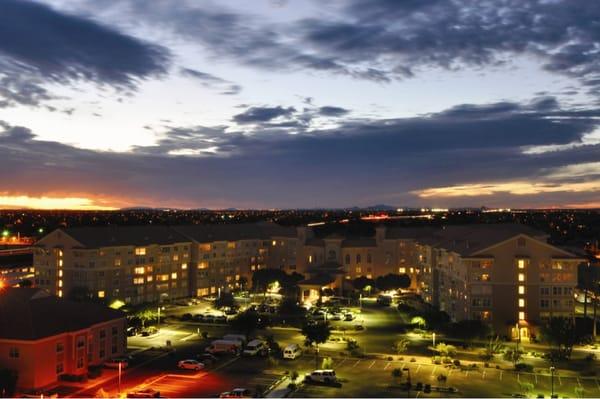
292,386
326,363
524,367
186,317
456,362
412,359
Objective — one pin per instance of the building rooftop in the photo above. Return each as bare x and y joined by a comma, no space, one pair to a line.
110,236
235,232
32,313
464,239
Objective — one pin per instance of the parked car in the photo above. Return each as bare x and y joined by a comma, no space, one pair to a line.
208,359
335,316
144,393
190,364
132,331
114,363
256,347
384,300
208,318
148,331
236,337
324,376
349,316
292,351
220,319
224,346
237,393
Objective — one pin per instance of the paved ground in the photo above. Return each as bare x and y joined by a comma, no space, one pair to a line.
372,378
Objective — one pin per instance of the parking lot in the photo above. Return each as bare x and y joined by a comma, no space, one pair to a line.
372,378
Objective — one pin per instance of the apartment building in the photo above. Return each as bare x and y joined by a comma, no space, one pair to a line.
134,264
504,274
43,337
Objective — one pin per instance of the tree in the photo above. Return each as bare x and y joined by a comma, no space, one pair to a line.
400,346
493,347
469,330
243,281
146,315
392,282
8,383
362,283
445,349
315,334
289,284
263,277
246,323
26,283
290,307
561,333
225,300
513,356
526,387
418,321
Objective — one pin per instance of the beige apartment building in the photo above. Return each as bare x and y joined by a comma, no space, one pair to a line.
504,274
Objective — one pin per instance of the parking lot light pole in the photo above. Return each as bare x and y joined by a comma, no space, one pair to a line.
120,368
552,368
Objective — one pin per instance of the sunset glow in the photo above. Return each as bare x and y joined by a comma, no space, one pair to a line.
73,203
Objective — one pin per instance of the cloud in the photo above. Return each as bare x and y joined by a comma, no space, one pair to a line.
39,44
455,157
211,81
332,111
263,114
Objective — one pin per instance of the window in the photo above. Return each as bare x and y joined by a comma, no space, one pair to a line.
485,277
117,262
521,276
521,302
102,334
140,251
60,347
521,263
202,265
138,280
369,259
60,368
358,269
13,353
545,290
174,275
79,362
231,245
358,258
162,277
100,294
139,270
80,342
521,289
545,303
521,315
183,266
347,259
402,270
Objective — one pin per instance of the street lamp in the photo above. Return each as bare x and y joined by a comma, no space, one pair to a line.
552,368
433,339
158,321
120,368
408,381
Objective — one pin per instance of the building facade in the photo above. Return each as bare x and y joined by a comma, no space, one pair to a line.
43,337
467,271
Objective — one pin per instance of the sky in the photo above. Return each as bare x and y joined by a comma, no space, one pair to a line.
299,104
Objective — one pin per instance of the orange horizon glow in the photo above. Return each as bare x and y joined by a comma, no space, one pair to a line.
53,203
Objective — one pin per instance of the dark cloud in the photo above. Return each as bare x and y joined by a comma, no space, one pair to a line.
42,44
263,114
358,162
211,81
333,111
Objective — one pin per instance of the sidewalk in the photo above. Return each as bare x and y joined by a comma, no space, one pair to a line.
280,388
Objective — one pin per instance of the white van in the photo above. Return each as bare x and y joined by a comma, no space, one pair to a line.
224,346
292,351
323,376
255,347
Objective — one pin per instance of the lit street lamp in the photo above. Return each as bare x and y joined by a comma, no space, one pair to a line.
158,318
120,368
433,339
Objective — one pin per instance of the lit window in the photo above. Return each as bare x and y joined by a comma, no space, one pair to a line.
274,243
358,269
100,294
175,258
60,273
60,293
174,275
485,277
521,289
231,245
183,266
521,302
140,251
402,270
60,263
521,263
149,278
310,258
163,277
60,283
117,262
139,270
521,277
138,280
521,315
202,265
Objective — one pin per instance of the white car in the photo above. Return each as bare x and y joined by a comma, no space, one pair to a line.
323,376
292,351
190,364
